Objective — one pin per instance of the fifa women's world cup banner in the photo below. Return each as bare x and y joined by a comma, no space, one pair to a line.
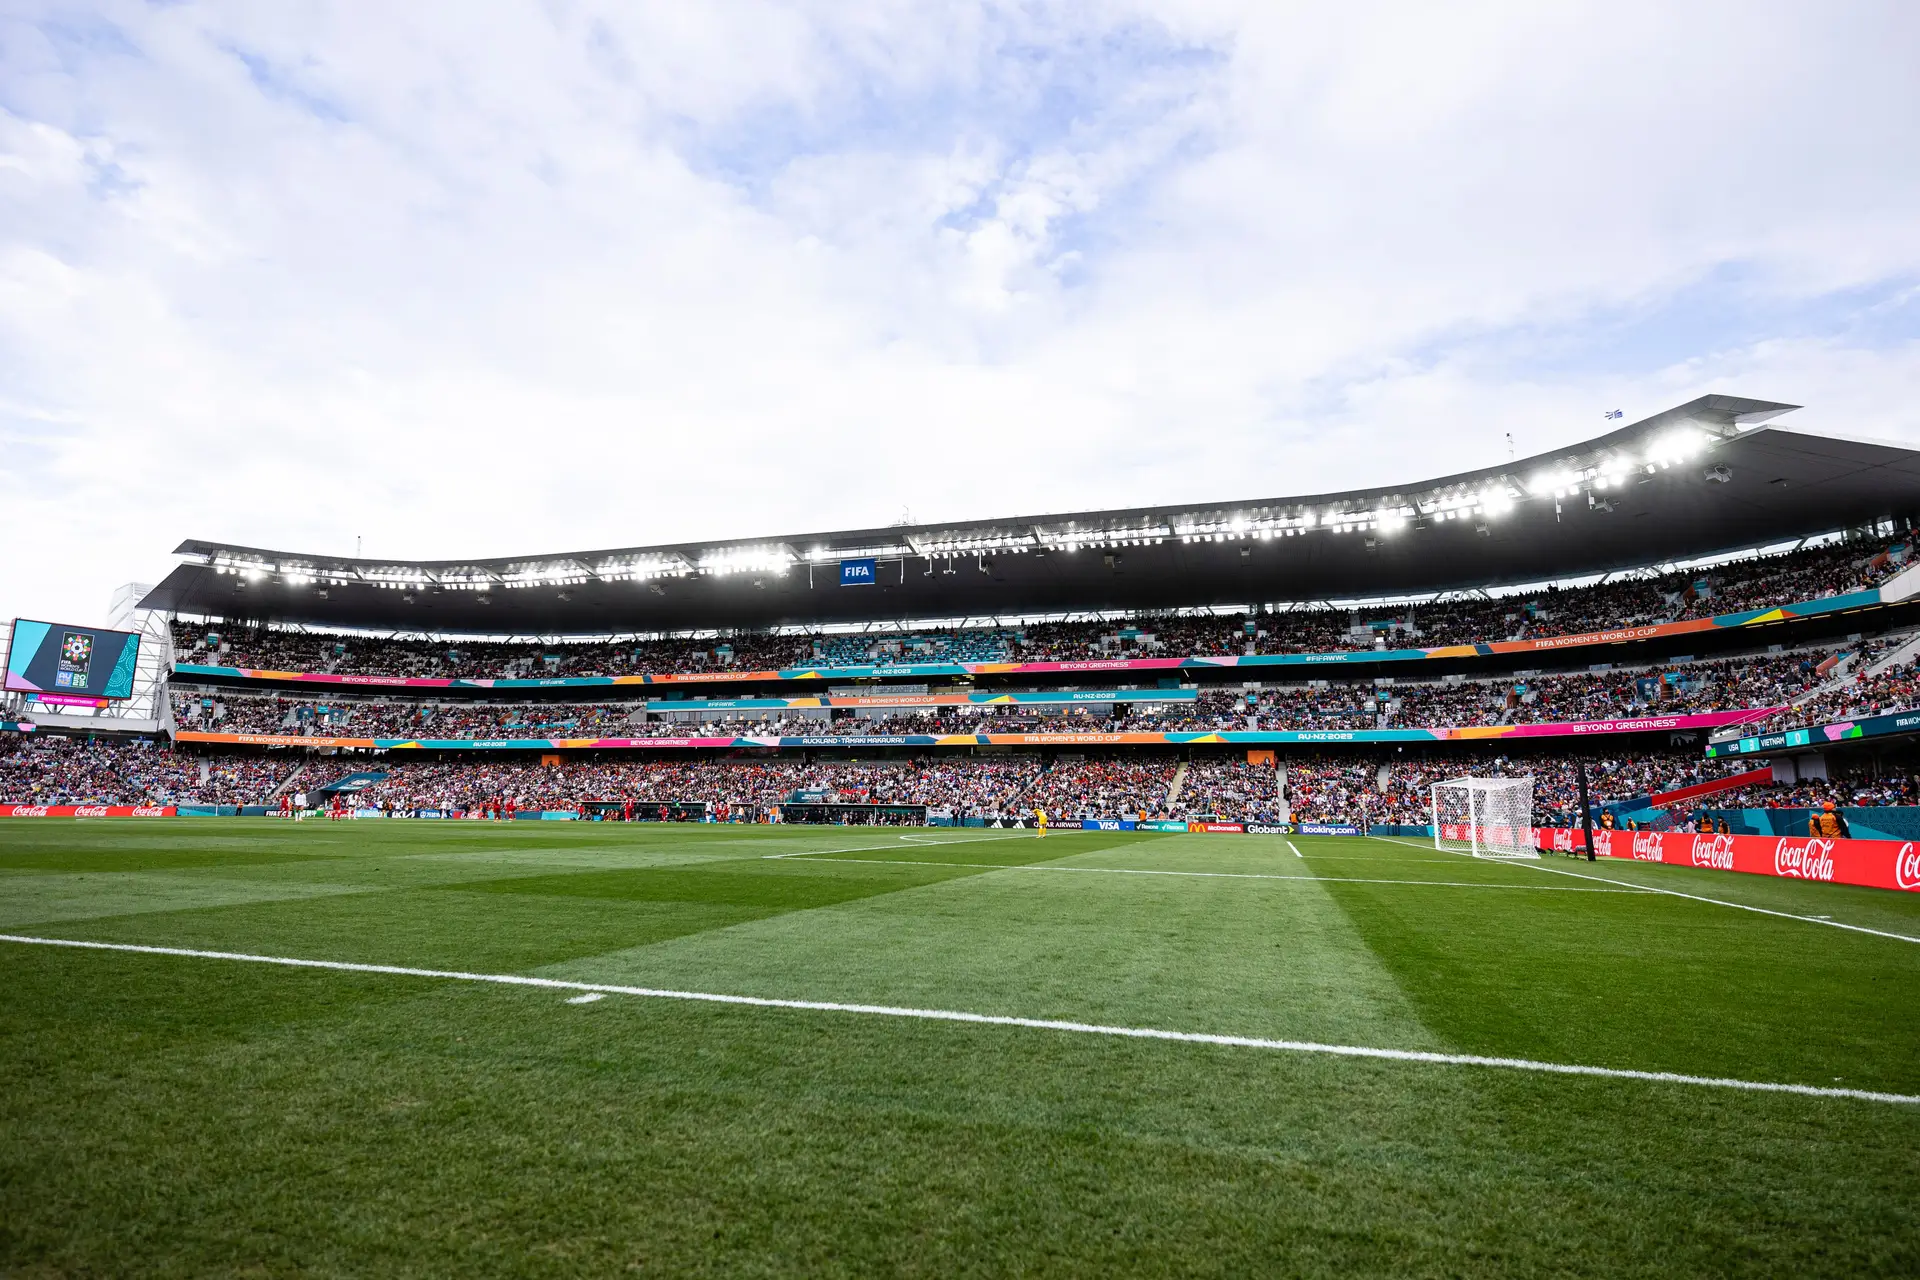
1877,864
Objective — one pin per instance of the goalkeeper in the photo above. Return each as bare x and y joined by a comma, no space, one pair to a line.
1040,821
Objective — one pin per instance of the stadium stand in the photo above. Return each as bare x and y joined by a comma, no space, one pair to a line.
1757,583
1799,680
1369,789
1753,609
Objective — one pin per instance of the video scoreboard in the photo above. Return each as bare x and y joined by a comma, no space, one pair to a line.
61,662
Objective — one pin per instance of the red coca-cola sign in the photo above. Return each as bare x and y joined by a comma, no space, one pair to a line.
88,811
1906,867
1881,864
1809,859
1713,851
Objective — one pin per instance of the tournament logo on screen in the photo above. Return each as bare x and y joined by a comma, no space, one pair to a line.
63,662
76,660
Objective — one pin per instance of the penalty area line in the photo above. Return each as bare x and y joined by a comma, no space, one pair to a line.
1000,1020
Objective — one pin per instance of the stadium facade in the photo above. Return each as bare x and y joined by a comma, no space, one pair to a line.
1317,657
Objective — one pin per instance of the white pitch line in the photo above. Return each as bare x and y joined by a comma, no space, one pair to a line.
1296,852
1695,897
998,1020
1738,906
588,998
1208,875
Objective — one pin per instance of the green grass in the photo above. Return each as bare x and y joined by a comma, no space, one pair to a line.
178,1116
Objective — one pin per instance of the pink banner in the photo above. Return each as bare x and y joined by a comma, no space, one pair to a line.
1639,724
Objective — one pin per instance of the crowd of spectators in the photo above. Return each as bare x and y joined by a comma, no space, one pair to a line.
1356,791
1324,787
1856,695
969,786
1758,683
1231,789
365,718
1865,790
51,769
1134,786
970,645
1807,574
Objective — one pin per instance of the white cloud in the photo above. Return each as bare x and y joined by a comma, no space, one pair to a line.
481,280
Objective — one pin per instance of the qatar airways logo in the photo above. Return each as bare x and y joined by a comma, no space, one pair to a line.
1646,846
1808,860
1713,851
1906,867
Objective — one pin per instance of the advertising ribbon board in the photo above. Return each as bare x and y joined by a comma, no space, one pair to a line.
1878,864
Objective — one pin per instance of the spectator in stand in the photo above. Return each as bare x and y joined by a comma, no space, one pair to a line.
1756,683
1753,583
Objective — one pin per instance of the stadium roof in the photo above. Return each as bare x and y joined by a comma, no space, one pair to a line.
1700,479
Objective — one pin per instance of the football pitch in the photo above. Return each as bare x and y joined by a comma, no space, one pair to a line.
767,1050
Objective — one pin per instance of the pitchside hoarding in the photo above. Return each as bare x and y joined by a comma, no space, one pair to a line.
1878,864
64,661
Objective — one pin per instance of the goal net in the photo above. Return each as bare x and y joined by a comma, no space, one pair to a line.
1487,817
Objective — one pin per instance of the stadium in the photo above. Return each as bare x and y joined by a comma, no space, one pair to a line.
1320,883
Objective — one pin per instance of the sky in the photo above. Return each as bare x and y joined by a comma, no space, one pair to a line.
478,279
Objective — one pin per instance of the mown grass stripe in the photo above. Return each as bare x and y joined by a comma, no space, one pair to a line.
1208,875
996,1020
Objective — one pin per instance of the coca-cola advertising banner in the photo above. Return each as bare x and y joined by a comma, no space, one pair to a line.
87,811
1879,864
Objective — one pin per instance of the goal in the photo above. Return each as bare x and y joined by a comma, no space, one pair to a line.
1487,817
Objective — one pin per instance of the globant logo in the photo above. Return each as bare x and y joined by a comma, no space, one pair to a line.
1267,829
1808,860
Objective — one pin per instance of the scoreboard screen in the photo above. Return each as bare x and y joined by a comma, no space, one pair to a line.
58,659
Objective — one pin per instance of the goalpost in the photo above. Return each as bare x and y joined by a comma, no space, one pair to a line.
1487,817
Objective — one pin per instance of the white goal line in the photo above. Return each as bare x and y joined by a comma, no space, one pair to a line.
998,1020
